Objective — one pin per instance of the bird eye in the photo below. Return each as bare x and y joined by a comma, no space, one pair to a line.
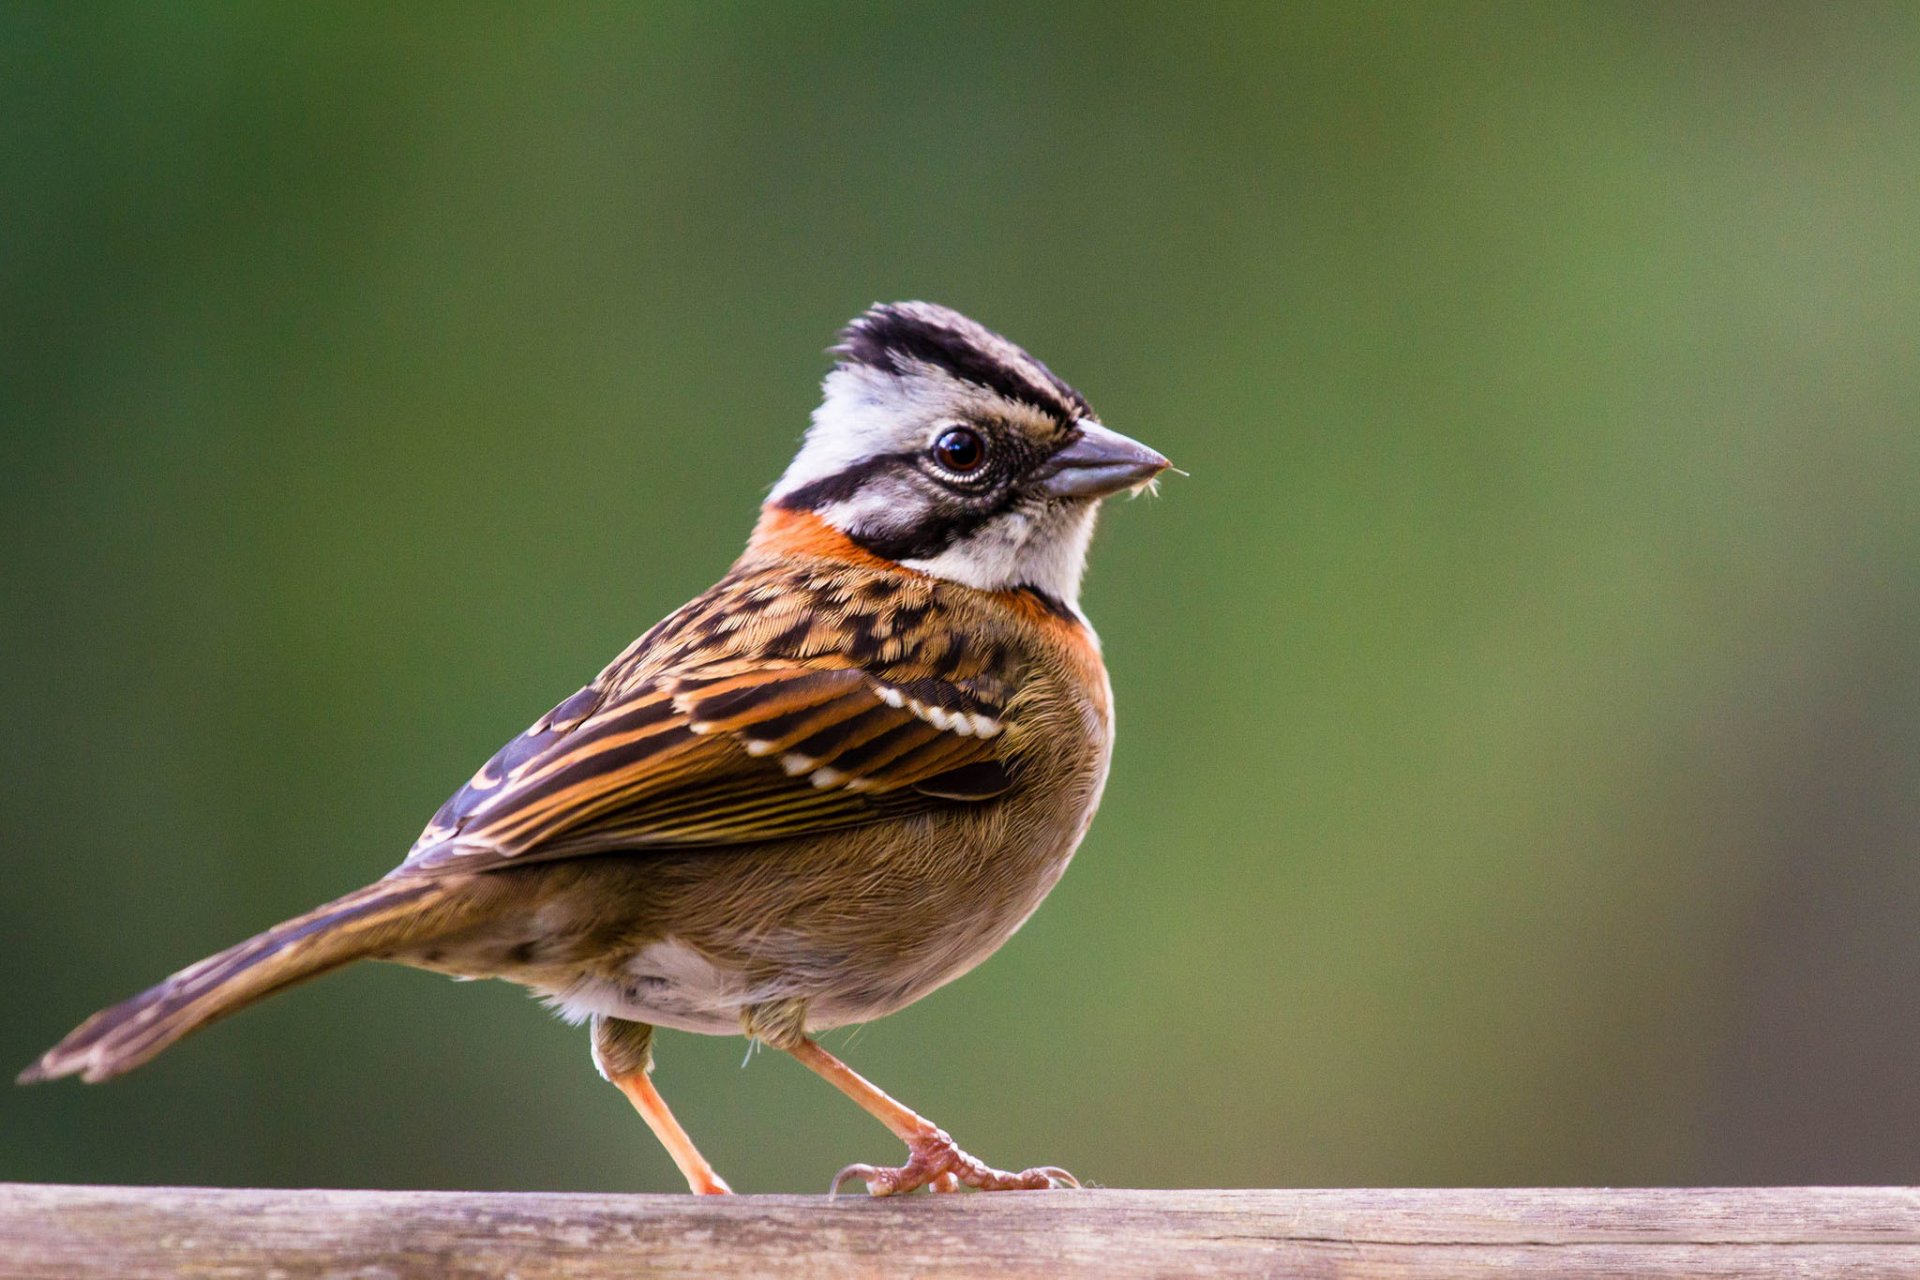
960,450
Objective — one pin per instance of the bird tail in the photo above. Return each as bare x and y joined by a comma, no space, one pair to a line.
367,922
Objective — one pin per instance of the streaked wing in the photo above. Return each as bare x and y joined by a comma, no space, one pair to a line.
734,752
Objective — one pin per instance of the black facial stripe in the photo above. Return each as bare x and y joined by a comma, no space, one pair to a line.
948,516
1006,454
886,337
943,525
843,484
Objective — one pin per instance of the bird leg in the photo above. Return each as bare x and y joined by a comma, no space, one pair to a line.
622,1050
701,1179
932,1158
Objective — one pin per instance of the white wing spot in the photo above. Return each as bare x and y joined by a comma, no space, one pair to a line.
967,724
984,725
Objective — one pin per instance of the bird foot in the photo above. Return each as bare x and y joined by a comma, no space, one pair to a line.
934,1161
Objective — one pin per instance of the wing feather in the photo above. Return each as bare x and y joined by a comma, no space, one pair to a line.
734,754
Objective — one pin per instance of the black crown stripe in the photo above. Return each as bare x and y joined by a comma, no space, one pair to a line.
888,336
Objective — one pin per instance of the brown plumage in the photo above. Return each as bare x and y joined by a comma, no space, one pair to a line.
838,779
365,922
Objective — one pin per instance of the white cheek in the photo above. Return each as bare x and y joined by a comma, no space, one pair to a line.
887,506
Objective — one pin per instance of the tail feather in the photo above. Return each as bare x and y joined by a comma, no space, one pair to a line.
365,922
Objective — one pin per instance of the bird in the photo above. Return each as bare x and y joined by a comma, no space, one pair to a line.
838,779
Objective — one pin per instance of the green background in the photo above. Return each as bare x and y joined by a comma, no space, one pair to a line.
1519,764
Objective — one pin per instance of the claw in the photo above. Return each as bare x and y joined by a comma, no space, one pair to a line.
864,1172
934,1161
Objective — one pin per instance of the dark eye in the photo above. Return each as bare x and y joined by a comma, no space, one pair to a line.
960,450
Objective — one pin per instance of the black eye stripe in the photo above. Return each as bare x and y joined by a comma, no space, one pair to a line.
938,527
842,485
959,506
848,481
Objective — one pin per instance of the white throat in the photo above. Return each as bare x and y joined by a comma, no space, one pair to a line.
1046,551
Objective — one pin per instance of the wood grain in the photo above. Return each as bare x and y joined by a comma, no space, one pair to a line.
137,1232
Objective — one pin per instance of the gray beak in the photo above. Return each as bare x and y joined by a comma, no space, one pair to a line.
1099,463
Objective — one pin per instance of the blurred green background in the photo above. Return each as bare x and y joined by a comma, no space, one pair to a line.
1519,769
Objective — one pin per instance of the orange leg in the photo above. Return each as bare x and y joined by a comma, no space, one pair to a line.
701,1179
933,1159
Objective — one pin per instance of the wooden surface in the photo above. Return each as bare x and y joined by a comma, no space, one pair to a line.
133,1232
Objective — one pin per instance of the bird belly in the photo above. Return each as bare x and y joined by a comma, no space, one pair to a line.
667,984
917,915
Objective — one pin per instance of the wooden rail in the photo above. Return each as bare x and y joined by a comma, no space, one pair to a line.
134,1232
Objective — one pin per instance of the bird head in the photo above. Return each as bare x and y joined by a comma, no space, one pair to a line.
943,447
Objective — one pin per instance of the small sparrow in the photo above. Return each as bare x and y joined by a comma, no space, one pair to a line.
840,778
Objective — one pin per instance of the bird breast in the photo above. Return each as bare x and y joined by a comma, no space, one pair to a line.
856,923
